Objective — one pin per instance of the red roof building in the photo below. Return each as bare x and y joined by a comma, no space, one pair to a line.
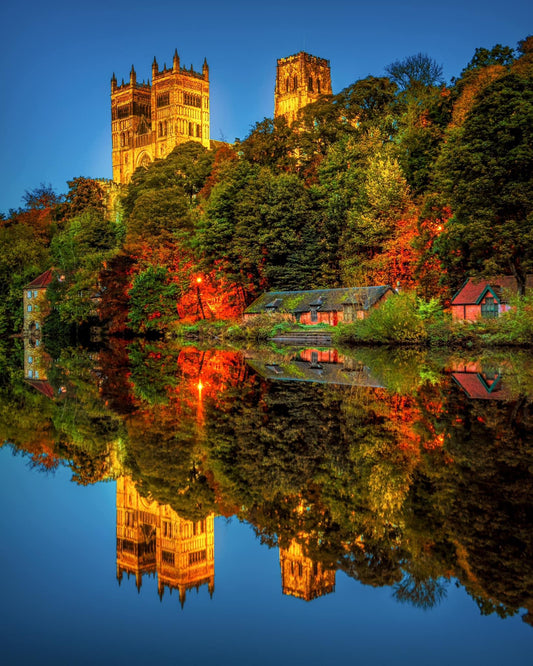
485,298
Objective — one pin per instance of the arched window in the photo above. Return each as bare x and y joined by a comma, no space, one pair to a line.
287,85
199,131
160,129
310,84
166,128
191,132
318,86
122,140
295,82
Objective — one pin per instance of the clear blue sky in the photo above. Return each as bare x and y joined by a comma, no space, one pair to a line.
57,59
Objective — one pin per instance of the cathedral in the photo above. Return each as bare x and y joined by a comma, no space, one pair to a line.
148,120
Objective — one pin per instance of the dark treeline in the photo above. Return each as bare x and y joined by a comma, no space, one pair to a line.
400,178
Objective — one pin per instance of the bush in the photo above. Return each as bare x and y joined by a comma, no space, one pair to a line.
397,320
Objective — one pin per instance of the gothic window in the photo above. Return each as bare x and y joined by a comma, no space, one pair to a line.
295,82
198,131
167,557
160,129
165,130
310,84
163,99
191,133
287,85
198,556
167,529
318,86
122,140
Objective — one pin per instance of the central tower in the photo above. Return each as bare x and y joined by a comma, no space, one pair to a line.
148,121
300,80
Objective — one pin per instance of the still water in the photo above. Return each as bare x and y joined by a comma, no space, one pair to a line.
167,504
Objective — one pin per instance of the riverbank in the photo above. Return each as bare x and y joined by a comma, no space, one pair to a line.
402,321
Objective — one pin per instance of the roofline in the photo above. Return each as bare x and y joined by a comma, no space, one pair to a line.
488,288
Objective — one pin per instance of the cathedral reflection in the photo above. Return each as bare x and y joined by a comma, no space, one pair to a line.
153,539
302,577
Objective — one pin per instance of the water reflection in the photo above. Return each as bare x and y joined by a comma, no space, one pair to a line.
399,469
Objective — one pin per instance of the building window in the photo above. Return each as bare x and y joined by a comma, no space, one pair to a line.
37,342
489,308
167,529
30,359
30,308
287,85
314,315
191,133
30,373
295,83
165,128
36,325
36,374
318,86
167,557
197,556
310,84
29,294
199,131
163,99
34,294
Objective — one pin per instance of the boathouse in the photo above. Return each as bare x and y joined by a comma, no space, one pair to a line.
321,306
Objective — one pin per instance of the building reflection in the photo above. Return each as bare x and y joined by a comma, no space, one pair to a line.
301,576
152,539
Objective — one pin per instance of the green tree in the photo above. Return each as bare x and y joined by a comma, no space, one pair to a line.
485,171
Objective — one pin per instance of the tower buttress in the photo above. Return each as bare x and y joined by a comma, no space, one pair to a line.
205,70
155,68
133,76
176,61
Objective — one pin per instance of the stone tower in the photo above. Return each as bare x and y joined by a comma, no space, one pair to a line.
149,120
302,577
300,80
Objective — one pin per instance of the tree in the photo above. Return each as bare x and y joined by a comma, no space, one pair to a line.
415,71
486,171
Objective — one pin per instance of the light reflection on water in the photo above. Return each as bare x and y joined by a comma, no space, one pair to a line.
371,482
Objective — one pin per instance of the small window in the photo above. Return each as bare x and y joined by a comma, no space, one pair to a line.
314,315
30,373
295,83
29,294
30,359
310,84
37,342
30,309
36,374
37,326
489,308
34,294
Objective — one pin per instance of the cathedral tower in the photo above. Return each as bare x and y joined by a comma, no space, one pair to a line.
300,80
149,120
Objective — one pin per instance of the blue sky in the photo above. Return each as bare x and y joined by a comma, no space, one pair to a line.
57,58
